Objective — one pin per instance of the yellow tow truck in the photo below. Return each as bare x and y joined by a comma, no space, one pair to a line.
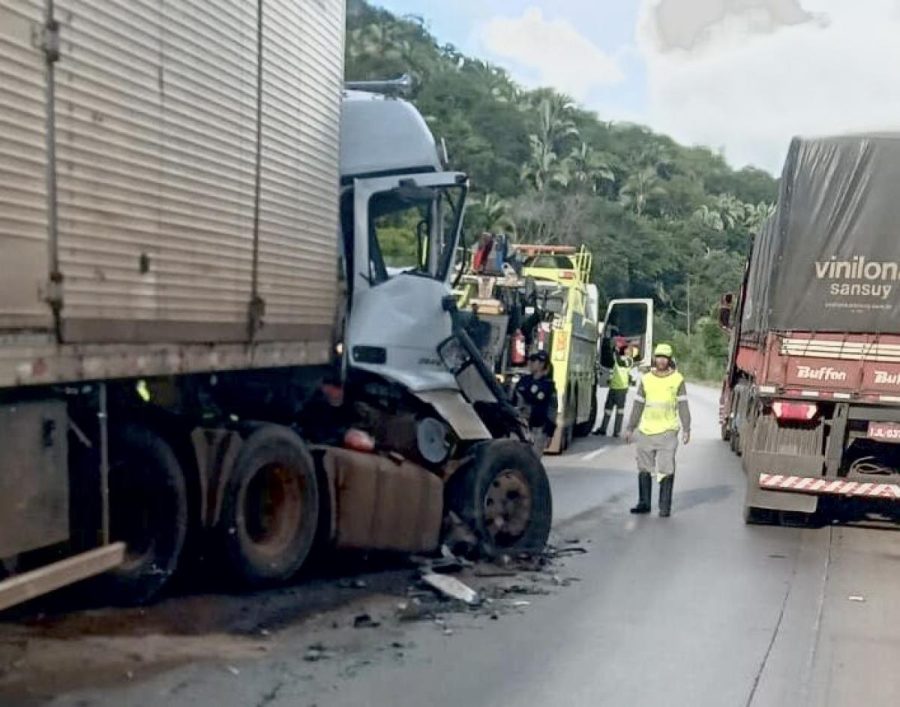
546,303
541,298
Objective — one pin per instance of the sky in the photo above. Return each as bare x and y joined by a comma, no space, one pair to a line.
739,76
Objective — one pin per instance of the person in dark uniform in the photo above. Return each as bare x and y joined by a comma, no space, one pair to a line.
536,393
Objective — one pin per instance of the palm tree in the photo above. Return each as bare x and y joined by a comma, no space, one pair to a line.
555,127
497,81
710,218
497,214
555,121
589,168
728,213
639,187
544,168
757,215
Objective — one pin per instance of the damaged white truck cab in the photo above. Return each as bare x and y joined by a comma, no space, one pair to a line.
169,380
402,218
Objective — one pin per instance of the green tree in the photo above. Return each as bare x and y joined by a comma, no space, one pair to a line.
639,187
663,220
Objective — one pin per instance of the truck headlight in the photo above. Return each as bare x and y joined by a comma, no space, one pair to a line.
452,353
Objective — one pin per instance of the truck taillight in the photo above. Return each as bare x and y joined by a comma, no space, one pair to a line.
794,412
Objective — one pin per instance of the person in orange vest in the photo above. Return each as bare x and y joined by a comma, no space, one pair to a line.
659,412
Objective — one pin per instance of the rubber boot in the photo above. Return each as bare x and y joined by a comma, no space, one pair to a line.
620,418
602,429
665,496
644,482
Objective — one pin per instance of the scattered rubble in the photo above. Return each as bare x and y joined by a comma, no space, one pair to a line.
491,571
317,652
573,550
412,610
365,621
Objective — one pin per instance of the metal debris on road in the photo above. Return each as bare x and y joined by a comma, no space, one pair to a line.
460,536
452,588
573,550
316,652
489,571
365,621
411,610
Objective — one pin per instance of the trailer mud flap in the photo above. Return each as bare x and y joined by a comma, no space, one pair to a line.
759,464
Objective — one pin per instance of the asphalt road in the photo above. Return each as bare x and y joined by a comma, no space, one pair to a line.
697,609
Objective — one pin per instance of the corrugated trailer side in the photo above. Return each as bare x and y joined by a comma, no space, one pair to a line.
23,164
182,219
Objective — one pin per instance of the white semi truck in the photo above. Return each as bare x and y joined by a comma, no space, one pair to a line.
206,349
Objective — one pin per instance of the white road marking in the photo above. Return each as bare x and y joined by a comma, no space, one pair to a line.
593,455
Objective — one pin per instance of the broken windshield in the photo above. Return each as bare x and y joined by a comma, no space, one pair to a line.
414,230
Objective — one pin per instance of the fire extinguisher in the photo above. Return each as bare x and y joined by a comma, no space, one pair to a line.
542,337
517,352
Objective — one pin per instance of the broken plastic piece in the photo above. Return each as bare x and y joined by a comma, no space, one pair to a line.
451,588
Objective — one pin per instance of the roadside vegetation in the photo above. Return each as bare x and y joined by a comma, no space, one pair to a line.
663,220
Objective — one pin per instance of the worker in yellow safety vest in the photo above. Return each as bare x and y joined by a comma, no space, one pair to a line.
660,410
617,394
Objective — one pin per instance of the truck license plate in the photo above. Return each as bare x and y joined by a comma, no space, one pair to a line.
884,432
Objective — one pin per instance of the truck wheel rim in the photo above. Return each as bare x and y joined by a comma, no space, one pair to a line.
507,507
273,508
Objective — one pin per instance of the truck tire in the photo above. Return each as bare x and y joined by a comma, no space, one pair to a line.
148,511
504,497
270,509
734,441
568,433
759,516
584,429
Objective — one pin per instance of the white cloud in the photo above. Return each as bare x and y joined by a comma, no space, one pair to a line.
550,52
757,72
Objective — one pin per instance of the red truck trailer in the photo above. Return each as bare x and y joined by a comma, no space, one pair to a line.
811,397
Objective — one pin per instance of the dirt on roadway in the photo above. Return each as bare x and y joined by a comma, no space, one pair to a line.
354,615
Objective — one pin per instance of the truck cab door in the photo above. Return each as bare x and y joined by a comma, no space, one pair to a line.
405,233
631,319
